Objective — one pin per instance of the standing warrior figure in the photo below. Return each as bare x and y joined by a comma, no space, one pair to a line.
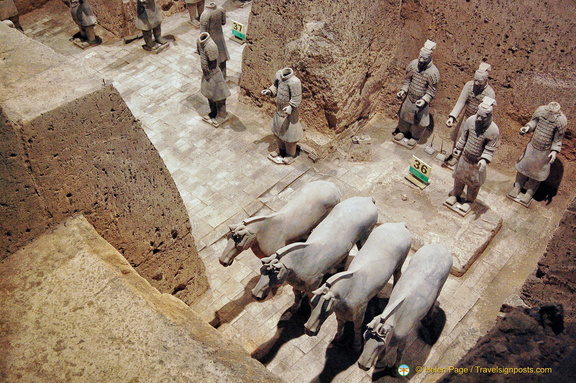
477,144
211,21
213,85
471,96
419,89
548,124
84,17
195,9
285,123
8,11
149,21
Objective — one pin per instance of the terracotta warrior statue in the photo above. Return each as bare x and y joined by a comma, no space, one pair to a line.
84,17
548,124
211,21
8,11
149,20
285,123
475,147
471,96
419,89
195,8
213,85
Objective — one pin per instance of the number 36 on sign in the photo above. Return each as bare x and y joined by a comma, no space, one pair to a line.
419,172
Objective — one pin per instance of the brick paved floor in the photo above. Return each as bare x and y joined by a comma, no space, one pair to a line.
223,176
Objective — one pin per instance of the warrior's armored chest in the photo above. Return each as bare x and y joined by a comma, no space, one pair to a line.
418,85
474,145
544,134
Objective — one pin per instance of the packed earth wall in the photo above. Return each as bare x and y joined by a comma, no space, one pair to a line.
70,145
351,57
539,337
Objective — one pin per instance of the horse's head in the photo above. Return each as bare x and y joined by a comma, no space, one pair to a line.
324,302
272,273
240,238
376,338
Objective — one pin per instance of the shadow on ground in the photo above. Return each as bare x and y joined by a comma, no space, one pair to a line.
285,332
232,309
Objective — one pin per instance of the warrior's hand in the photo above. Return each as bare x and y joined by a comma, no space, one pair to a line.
524,130
401,94
552,156
456,152
420,103
450,122
266,92
287,109
482,165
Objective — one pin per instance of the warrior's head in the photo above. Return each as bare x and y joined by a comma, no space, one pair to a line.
425,56
481,77
553,108
484,114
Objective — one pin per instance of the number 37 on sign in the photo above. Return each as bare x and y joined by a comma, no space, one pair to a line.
419,172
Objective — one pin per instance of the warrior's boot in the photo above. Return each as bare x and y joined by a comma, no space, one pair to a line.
158,35
91,36
515,190
151,44
527,197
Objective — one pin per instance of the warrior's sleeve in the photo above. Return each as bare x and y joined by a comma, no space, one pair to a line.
433,79
205,24
491,142
535,118
461,103
559,134
274,87
211,50
464,136
408,76
295,92
223,17
204,63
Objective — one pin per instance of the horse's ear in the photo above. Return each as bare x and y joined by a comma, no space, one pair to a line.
242,231
269,259
276,264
